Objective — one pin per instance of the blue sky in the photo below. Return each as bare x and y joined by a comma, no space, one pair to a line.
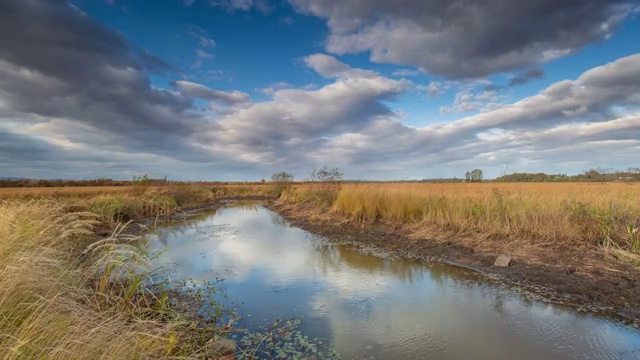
239,89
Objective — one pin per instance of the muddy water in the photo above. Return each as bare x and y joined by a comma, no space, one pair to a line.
372,308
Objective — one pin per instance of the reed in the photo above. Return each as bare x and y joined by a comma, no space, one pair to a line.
64,295
497,216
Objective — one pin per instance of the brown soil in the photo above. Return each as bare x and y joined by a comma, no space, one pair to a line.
588,281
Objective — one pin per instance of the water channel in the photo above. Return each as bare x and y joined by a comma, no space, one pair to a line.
372,308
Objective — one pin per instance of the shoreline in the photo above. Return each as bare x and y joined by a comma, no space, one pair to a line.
613,294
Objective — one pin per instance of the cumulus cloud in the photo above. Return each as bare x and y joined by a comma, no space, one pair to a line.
192,89
562,123
297,121
97,110
470,101
95,104
434,89
458,39
81,71
326,65
346,122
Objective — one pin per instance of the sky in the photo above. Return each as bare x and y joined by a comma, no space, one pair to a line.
235,90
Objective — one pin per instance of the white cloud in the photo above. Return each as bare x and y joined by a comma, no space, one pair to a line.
96,106
269,90
469,100
326,65
192,89
456,40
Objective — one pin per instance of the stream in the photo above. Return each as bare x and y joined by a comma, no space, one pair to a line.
373,308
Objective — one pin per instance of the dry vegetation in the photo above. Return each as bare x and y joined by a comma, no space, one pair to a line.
52,303
67,294
58,298
524,219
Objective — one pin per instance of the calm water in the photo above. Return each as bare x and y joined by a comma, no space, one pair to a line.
371,308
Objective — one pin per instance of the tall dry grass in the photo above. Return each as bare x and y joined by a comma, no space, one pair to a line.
48,309
498,216
64,295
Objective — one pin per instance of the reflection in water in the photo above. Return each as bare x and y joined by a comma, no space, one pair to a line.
367,306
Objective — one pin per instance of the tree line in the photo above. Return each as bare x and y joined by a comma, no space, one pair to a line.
599,174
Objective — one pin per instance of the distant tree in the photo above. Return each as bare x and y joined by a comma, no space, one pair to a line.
282,181
141,179
325,174
592,174
282,176
476,175
467,176
328,182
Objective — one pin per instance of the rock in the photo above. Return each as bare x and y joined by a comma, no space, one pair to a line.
223,349
503,261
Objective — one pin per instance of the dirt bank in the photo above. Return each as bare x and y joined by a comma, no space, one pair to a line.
586,281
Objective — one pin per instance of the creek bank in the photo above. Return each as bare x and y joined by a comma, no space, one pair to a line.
607,290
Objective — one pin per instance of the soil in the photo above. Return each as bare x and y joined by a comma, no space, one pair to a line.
611,290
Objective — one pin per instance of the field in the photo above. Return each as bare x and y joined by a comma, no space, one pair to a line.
55,269
527,219
88,191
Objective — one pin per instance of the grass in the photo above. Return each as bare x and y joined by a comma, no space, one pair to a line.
496,217
64,294
67,294
49,305
178,189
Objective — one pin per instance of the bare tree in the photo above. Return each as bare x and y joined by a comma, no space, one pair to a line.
282,181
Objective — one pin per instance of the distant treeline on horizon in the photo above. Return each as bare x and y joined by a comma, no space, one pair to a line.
594,175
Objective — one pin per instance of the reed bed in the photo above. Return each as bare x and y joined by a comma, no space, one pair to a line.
67,294
49,306
496,216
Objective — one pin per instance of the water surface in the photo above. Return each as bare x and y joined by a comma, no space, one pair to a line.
371,308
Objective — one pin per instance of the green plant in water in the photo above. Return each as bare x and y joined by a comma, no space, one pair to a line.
282,340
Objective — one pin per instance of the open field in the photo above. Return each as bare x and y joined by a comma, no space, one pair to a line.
6,193
528,219
87,191
524,218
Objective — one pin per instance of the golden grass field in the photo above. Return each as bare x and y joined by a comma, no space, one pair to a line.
498,217
87,191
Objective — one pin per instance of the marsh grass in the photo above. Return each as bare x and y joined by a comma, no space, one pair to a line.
64,296
497,217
